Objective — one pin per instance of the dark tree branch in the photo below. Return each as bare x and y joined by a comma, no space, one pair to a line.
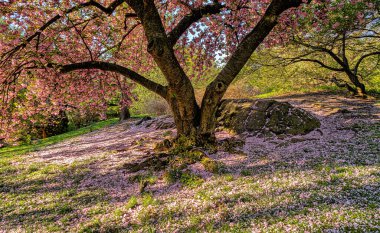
127,16
158,45
83,40
318,62
344,41
108,10
343,84
352,74
76,24
362,59
106,66
185,4
322,49
363,37
195,15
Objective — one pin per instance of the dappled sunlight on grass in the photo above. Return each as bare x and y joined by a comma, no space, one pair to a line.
287,200
325,181
39,196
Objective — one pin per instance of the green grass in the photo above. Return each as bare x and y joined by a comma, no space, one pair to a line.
37,194
39,144
132,202
321,197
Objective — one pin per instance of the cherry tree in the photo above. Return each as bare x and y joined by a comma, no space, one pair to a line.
59,46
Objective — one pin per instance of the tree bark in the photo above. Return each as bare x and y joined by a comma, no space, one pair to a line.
187,124
44,135
360,89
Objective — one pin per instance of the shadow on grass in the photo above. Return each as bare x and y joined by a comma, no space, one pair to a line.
362,198
45,196
57,196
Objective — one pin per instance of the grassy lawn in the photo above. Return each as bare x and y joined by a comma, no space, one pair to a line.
22,191
345,198
321,197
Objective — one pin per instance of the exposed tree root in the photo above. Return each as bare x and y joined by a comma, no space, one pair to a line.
155,162
175,156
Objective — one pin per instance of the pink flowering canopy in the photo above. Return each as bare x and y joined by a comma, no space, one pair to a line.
38,37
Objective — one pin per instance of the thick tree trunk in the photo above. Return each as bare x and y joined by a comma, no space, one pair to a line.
186,113
187,117
355,87
180,93
360,89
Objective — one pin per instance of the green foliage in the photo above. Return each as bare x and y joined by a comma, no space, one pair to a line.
246,172
186,178
213,166
142,178
278,79
91,227
182,144
172,175
266,77
113,111
149,103
190,180
132,202
148,200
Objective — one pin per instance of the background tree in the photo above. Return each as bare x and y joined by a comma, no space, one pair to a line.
53,39
348,43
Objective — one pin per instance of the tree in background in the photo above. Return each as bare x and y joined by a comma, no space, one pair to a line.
39,106
265,75
348,43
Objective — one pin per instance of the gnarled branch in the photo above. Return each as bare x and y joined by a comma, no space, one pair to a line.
322,49
362,59
318,62
106,66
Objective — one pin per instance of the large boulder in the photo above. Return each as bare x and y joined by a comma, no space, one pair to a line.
265,117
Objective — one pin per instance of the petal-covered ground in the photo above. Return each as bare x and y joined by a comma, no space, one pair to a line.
328,180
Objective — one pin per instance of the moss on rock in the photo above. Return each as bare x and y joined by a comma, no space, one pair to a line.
265,116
